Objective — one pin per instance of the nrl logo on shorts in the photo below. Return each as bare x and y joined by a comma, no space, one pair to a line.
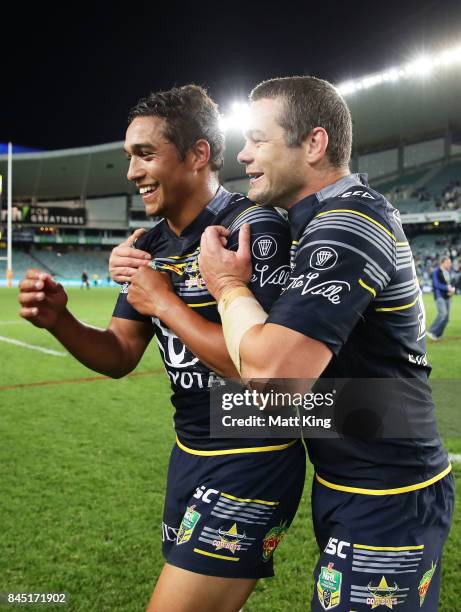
190,519
323,258
329,587
264,247
230,539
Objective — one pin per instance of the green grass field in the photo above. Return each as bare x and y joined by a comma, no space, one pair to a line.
83,465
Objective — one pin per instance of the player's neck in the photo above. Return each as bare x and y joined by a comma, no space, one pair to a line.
318,180
193,205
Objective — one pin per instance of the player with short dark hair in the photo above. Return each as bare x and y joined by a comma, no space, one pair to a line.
308,103
228,502
189,115
351,310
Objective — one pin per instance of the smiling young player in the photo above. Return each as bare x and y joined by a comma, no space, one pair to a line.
228,502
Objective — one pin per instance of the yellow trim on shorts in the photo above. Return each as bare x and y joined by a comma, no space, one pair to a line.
256,501
208,554
390,548
414,487
234,451
365,286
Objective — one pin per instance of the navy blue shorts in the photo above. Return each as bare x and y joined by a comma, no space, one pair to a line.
226,514
381,552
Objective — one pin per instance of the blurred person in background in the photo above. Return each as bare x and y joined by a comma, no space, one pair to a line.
443,291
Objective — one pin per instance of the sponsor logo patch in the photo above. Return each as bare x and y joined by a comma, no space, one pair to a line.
194,280
359,193
187,526
272,539
329,587
425,583
323,258
329,289
205,494
175,353
169,534
265,276
264,247
383,594
226,539
337,547
229,539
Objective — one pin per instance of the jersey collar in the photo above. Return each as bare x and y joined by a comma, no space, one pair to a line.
303,211
193,231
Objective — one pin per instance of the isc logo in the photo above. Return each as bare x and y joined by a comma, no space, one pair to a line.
204,494
335,547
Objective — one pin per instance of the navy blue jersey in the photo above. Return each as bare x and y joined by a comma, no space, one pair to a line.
353,286
177,255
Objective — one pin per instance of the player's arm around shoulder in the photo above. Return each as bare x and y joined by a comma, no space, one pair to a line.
266,350
338,258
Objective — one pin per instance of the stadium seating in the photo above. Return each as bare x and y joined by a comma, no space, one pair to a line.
426,189
65,266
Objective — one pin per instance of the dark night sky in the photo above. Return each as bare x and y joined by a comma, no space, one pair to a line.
70,73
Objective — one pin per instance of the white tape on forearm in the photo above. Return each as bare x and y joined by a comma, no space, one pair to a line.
240,311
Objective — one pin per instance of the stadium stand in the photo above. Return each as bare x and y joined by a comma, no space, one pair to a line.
415,161
432,188
65,266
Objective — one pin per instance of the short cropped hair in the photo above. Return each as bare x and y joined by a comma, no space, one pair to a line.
309,102
190,115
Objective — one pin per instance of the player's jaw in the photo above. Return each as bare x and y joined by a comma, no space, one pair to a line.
151,195
257,182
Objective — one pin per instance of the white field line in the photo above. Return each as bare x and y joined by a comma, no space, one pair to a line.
87,321
33,347
18,322
454,457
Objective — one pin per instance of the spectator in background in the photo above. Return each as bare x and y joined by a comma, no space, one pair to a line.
443,290
85,281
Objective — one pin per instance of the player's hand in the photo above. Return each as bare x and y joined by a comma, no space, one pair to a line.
125,260
150,291
42,300
223,269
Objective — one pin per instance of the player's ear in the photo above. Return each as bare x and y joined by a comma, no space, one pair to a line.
200,154
315,145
